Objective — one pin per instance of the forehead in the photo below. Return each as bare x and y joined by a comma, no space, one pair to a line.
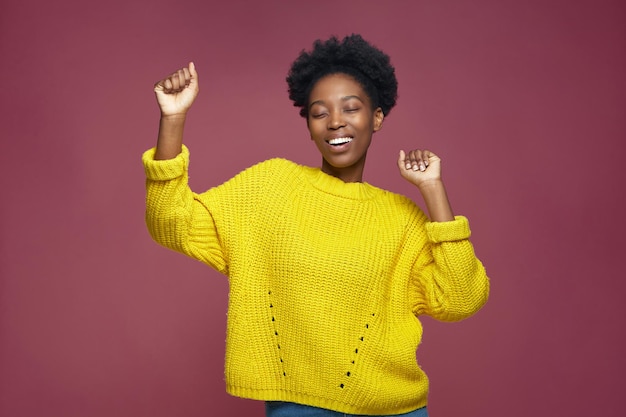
337,87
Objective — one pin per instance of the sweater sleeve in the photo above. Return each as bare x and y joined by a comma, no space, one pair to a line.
175,217
450,283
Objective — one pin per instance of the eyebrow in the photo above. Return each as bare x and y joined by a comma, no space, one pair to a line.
345,98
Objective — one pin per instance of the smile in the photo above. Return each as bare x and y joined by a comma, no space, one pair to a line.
339,141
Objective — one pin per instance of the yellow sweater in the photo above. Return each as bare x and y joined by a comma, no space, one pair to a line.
326,280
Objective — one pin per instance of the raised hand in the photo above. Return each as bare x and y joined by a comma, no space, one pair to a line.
422,168
176,93
419,166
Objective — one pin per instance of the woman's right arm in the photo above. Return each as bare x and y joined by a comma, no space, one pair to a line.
174,216
175,94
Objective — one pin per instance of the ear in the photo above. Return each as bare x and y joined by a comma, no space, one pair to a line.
379,116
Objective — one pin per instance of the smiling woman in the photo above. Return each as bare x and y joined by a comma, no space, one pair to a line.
310,332
341,120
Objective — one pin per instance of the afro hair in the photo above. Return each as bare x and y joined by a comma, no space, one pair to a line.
352,56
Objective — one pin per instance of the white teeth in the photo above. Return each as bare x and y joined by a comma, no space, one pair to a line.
339,141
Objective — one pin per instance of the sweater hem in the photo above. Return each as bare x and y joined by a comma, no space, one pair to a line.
314,401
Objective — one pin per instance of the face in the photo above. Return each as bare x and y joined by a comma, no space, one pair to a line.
341,121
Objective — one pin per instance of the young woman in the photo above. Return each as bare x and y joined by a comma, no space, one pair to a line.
327,274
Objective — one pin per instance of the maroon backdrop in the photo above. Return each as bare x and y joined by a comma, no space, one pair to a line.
524,100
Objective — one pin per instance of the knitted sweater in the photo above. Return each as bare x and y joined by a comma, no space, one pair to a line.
326,280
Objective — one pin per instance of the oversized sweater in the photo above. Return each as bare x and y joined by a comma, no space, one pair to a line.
326,280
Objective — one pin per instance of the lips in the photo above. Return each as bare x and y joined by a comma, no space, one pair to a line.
339,141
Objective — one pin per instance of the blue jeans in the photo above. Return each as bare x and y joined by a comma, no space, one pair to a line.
286,409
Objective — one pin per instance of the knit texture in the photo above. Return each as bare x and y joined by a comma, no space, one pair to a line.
326,280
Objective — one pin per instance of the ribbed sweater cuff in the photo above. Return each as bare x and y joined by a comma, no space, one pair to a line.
165,170
457,229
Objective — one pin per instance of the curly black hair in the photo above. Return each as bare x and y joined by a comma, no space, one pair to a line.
353,56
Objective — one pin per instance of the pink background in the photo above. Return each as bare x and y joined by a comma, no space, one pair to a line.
524,100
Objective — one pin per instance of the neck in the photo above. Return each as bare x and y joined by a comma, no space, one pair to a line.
353,173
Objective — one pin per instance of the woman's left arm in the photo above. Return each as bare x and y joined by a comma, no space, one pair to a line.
452,283
449,282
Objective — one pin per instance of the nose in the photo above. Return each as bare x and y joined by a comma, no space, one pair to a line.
335,120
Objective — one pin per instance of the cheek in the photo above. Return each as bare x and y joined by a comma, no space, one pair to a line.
366,124
315,130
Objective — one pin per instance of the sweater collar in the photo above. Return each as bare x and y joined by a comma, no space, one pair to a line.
334,186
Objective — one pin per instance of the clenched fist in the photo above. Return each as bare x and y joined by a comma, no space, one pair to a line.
419,166
176,93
